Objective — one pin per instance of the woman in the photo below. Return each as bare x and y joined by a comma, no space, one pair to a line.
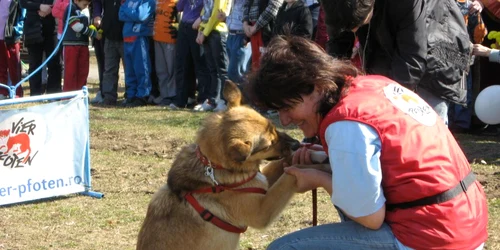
399,180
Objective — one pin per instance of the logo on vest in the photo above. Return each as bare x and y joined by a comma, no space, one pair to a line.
411,104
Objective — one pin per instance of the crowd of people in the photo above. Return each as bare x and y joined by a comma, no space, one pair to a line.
179,53
174,53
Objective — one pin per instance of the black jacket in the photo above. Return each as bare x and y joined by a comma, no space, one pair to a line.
111,26
37,28
418,43
296,20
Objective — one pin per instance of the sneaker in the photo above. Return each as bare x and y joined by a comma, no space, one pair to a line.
191,103
165,102
172,106
108,102
220,106
127,102
137,102
206,106
98,98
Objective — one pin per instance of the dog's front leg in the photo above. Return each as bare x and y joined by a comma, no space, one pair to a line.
274,170
269,206
279,194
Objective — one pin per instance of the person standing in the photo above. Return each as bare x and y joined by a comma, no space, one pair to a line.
112,29
189,56
258,19
98,50
212,36
76,45
39,37
11,30
422,44
238,45
137,16
164,35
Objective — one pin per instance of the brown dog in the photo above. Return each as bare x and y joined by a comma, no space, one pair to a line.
215,189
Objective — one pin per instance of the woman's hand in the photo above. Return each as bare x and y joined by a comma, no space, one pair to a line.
480,50
309,179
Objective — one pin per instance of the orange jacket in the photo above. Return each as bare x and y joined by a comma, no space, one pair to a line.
166,23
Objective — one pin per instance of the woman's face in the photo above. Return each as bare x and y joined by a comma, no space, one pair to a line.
304,114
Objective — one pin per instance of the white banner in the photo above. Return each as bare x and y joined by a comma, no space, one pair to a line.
43,150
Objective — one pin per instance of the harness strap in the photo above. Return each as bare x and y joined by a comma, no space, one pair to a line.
205,160
209,216
438,198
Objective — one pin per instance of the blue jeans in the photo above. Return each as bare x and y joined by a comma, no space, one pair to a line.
217,63
239,53
459,115
438,104
348,235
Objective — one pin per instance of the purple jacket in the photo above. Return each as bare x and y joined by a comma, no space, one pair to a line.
191,10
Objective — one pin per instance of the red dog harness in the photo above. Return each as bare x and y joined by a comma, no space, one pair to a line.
205,213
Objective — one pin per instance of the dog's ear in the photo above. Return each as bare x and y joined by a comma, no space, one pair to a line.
239,150
232,94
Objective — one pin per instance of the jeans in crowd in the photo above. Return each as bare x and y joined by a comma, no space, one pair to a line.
217,63
239,52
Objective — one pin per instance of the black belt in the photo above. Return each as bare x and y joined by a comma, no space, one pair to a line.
438,198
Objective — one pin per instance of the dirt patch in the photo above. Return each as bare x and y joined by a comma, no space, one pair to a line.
490,182
131,144
484,155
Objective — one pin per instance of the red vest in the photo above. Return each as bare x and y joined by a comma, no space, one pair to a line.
419,158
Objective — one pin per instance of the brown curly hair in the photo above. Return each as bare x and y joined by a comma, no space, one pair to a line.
293,66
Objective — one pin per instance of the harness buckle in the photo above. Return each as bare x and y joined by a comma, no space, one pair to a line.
209,171
206,215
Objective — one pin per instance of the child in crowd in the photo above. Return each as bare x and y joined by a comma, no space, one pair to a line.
137,16
294,18
164,35
11,30
213,36
76,46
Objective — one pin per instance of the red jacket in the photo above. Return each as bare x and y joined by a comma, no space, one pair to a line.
58,11
419,158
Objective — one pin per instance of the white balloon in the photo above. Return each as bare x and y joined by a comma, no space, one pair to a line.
487,105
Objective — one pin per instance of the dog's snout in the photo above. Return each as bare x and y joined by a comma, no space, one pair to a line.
294,144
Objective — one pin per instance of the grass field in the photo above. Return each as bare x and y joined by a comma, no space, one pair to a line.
131,152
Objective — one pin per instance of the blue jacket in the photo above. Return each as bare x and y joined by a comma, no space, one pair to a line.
129,14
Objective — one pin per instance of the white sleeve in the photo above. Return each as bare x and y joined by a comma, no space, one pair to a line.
354,150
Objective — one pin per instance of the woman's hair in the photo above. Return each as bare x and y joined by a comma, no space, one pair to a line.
345,15
293,66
